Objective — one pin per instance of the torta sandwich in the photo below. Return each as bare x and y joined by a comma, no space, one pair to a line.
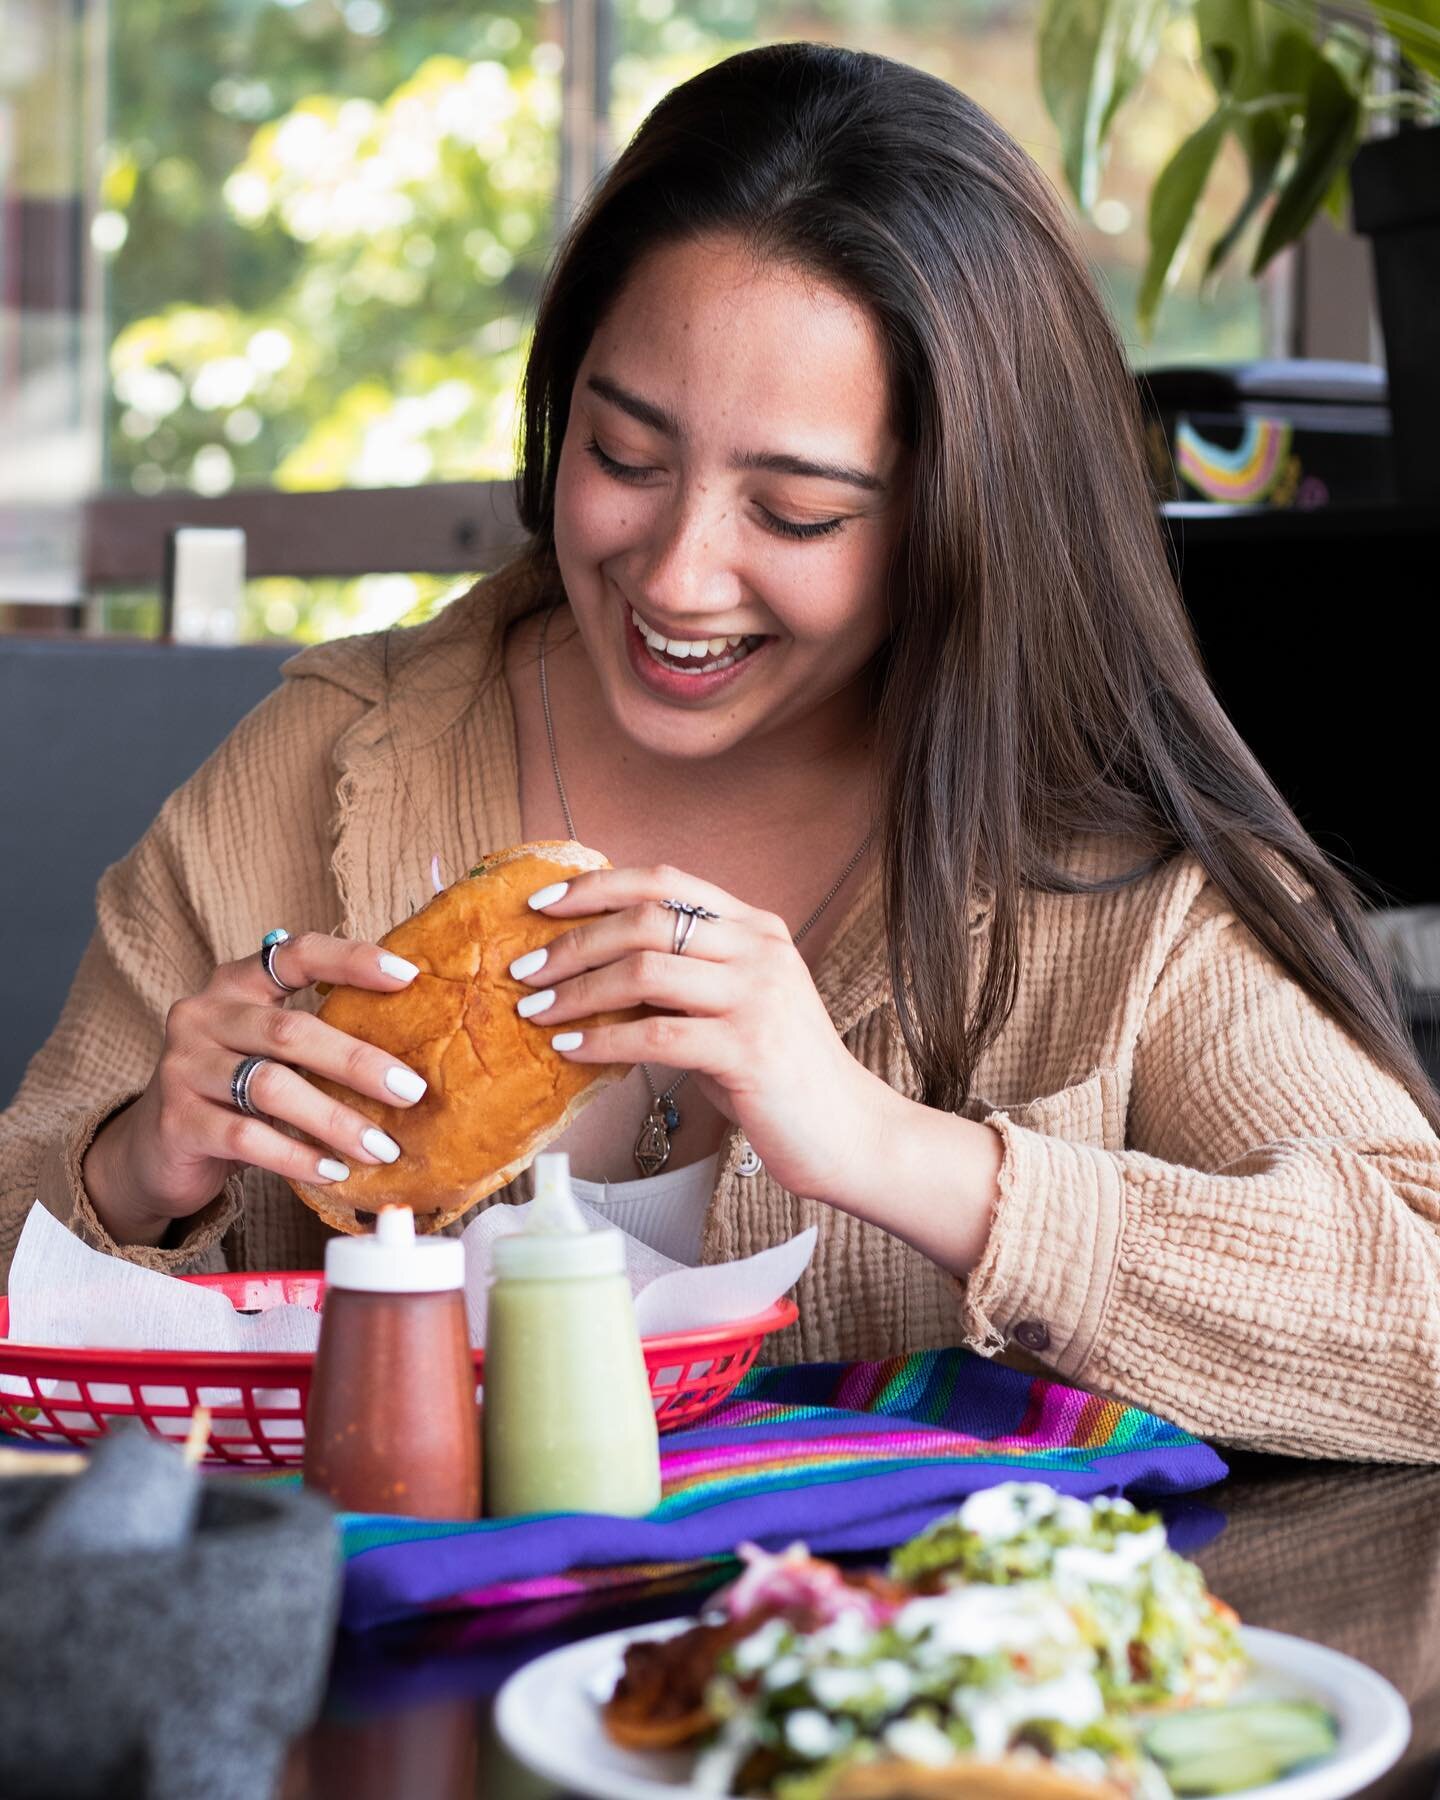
497,1092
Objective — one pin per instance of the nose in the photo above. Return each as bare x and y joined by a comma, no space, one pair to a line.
685,569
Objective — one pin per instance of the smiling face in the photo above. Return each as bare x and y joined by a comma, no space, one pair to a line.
730,479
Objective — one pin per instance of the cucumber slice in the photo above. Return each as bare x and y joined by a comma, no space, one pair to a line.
1218,1749
1222,1771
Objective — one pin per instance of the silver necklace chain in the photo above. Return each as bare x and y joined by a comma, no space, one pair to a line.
664,1118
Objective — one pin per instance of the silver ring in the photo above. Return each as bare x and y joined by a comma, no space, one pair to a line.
240,1085
687,914
268,946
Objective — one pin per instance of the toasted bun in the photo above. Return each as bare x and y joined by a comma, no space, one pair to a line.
497,1092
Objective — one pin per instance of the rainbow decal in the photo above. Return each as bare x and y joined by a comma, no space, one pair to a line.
1243,476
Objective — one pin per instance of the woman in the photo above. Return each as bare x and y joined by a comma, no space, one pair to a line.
843,584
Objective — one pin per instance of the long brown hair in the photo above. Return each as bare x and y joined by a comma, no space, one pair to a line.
1041,679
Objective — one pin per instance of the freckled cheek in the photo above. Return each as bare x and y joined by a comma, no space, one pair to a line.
592,520
843,615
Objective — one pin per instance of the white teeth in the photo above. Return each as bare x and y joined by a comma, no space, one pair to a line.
685,647
731,651
713,668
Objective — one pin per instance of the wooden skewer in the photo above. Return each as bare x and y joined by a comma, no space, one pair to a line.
25,1462
71,1462
197,1439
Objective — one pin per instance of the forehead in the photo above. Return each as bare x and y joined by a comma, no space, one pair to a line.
758,348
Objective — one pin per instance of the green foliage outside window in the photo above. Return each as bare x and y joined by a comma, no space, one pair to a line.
329,224
325,223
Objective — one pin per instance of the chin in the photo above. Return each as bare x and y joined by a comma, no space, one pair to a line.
677,736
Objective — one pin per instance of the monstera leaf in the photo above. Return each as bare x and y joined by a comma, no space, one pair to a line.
1092,53
1415,27
1292,81
1173,200
1238,52
1329,135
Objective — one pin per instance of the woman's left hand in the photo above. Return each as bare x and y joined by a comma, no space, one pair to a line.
738,1008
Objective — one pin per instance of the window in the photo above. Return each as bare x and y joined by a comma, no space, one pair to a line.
323,227
303,256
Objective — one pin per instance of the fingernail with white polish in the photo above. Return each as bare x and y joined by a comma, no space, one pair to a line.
528,963
535,1003
547,896
329,1170
397,966
567,1040
379,1145
405,1082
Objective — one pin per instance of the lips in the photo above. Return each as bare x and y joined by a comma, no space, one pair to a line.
695,668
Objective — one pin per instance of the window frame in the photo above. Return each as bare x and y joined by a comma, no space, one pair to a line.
459,527
435,528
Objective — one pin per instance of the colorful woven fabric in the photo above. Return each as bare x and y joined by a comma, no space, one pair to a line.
846,1456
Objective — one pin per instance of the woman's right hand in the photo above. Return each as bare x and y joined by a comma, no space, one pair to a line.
174,1147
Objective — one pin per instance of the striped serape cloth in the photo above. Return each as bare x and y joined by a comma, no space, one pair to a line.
842,1456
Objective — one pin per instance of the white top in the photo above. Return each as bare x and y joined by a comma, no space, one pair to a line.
665,1211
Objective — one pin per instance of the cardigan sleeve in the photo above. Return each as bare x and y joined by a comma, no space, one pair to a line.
148,950
236,839
1261,1260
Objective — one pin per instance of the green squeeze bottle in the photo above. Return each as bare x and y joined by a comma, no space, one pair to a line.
569,1422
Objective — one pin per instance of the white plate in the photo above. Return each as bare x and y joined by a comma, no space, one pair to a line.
548,1716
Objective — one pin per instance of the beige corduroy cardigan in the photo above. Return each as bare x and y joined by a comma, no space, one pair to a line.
1211,1203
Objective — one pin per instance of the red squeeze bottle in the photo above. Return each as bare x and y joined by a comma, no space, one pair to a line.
391,1425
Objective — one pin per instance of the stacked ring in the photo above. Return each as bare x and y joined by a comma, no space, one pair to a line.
689,906
687,916
240,1085
269,944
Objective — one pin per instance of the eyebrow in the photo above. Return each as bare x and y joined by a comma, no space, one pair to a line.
775,461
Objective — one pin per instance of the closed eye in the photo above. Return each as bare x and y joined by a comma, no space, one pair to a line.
789,528
621,471
636,476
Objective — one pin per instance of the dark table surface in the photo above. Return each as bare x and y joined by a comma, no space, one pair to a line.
1348,1556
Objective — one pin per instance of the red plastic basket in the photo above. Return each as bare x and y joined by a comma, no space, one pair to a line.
257,1403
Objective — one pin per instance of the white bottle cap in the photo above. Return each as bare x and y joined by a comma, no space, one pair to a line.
555,1242
392,1260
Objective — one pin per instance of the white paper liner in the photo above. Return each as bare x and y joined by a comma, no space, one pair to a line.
65,1295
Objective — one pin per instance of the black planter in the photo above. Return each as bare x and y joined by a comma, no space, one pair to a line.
1395,186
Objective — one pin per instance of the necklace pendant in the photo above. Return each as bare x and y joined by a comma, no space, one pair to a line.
652,1147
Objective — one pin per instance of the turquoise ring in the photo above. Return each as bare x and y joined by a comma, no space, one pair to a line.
269,944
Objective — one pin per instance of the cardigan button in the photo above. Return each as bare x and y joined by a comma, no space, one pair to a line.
1034,1334
749,1163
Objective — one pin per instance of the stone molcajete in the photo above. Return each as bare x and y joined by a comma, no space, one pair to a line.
162,1636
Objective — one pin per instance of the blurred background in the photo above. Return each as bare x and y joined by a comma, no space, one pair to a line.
294,245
